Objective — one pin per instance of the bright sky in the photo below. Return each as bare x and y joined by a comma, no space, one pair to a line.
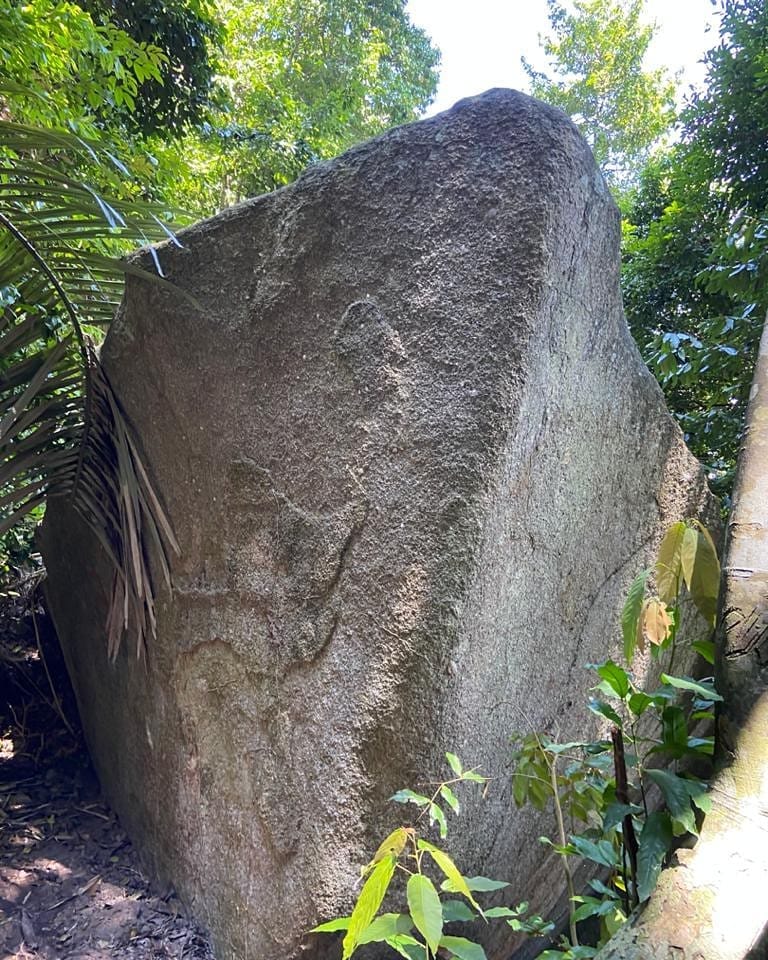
482,41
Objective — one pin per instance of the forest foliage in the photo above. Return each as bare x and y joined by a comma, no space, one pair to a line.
117,118
693,190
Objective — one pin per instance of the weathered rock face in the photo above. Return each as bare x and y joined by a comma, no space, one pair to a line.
413,460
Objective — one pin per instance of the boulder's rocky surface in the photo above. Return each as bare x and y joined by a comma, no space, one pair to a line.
413,460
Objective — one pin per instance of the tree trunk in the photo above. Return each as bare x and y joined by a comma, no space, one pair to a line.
713,903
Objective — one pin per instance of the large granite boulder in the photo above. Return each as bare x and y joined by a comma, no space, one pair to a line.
413,460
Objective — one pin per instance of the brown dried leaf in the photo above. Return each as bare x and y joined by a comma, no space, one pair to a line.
655,621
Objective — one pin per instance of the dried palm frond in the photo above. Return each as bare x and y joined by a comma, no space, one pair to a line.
62,431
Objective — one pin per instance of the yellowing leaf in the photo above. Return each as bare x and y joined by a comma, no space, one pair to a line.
392,846
668,563
451,871
368,903
688,552
705,578
655,621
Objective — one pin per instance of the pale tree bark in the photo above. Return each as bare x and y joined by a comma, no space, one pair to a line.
713,903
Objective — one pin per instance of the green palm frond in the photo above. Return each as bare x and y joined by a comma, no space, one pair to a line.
62,432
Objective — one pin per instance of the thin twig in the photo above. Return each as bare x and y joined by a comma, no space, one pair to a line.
563,843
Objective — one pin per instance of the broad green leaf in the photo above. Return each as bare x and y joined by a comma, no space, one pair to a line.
368,903
615,813
454,763
600,851
679,794
501,912
592,907
668,563
639,703
457,882
655,841
520,782
385,926
604,710
484,884
456,910
463,949
407,946
558,748
706,649
425,909
599,887
332,926
408,796
674,727
615,677
450,797
705,690
630,615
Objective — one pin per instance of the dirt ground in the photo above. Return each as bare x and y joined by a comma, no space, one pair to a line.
70,883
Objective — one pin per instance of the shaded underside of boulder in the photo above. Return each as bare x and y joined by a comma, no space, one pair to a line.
413,460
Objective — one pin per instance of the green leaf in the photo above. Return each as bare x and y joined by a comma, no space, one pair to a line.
655,841
454,763
332,926
630,614
679,793
408,796
436,815
472,775
450,797
457,882
425,909
706,649
520,780
463,949
674,726
615,813
601,852
456,910
615,677
484,884
592,907
501,912
668,563
368,903
407,946
639,703
702,688
385,926
604,710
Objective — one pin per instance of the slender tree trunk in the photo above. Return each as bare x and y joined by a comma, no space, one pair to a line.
713,903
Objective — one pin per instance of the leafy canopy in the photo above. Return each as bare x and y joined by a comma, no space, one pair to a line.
301,81
596,76
696,245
